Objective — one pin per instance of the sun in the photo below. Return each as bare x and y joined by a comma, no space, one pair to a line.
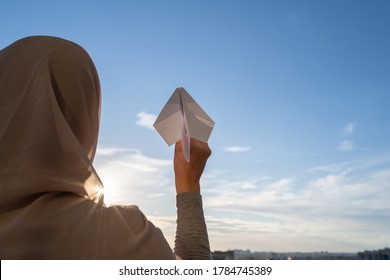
109,192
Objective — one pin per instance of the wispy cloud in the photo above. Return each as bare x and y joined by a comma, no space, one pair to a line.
346,145
349,129
333,167
283,184
132,177
109,151
146,120
332,207
328,181
357,165
237,149
337,209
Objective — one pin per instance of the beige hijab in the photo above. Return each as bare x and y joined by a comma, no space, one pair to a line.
51,205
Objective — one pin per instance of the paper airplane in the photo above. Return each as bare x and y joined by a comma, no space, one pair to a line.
182,118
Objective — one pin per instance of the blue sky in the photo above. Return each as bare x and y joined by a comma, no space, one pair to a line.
299,91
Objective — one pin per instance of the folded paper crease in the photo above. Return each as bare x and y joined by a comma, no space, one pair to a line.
182,119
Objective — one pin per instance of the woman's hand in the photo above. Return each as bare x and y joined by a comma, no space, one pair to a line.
187,174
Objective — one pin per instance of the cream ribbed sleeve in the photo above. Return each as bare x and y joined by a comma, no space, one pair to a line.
192,240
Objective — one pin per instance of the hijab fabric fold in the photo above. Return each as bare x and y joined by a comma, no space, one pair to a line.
51,203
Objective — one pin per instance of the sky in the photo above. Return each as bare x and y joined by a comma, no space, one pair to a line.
299,92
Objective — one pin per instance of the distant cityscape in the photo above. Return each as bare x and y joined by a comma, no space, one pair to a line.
382,254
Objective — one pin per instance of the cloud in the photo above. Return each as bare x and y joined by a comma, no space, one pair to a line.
328,181
332,207
237,149
282,184
109,151
132,177
333,167
333,211
357,165
146,120
346,146
349,129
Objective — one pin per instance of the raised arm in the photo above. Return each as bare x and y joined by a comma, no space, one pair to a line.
191,233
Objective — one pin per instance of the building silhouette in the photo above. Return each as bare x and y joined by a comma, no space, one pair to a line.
382,254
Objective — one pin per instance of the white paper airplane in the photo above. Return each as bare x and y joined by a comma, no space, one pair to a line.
182,118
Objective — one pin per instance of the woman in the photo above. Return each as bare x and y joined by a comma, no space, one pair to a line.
51,205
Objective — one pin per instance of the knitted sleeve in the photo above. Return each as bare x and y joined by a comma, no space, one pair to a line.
191,232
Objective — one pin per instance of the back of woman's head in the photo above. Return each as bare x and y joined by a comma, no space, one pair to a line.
49,119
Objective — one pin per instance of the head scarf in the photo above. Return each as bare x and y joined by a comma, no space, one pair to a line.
51,203
49,122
